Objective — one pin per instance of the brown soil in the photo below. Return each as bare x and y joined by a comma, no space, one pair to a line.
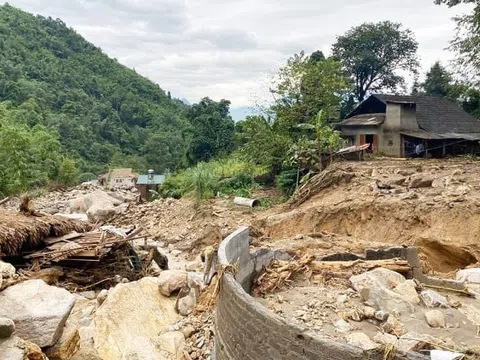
368,208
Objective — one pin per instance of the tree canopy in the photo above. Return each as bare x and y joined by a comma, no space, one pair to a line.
99,113
467,40
373,53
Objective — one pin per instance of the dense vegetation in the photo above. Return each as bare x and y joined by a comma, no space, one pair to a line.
68,112
94,112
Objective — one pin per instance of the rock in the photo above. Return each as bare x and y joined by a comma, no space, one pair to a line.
6,270
38,310
393,326
414,342
342,299
128,324
102,296
381,316
99,197
15,348
188,331
471,276
171,281
77,206
186,300
173,343
66,346
343,326
435,319
408,291
369,312
420,182
90,295
388,278
375,289
100,212
432,299
7,327
361,340
386,339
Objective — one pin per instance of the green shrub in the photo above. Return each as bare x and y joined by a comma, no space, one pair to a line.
287,181
207,180
88,176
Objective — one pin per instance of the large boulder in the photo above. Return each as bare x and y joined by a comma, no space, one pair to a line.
15,348
171,281
129,324
471,276
38,310
376,289
100,212
100,197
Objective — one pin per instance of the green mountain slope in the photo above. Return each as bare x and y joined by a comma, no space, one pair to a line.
101,112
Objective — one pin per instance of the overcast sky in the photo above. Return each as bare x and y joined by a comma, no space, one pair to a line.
228,48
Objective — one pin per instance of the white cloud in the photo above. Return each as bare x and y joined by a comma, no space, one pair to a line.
228,49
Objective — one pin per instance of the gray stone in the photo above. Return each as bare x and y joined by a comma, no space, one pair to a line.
7,327
408,291
361,340
471,276
343,326
15,348
375,289
435,318
381,316
432,299
38,310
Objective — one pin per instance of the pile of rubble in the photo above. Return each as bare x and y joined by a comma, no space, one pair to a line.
381,309
78,200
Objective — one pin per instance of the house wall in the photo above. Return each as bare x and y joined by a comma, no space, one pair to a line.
409,117
393,119
121,182
391,143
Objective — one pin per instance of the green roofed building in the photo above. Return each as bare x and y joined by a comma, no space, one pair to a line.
148,182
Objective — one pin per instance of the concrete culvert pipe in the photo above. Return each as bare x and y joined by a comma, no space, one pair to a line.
246,202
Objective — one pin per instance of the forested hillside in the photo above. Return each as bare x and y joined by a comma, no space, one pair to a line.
100,111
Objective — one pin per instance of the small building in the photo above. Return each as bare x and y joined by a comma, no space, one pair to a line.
148,182
395,124
119,178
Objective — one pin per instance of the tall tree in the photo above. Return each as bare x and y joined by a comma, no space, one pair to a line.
304,86
372,54
211,131
438,81
467,40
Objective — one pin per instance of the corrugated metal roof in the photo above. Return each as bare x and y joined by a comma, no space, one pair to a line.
432,136
157,180
364,120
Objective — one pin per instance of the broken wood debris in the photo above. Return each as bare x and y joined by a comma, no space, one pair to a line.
76,247
280,273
